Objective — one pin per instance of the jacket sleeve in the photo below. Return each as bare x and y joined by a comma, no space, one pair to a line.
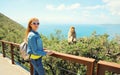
33,43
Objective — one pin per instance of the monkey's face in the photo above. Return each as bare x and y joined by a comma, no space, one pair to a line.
72,29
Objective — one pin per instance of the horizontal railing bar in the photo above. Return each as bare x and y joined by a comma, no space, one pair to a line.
103,66
110,64
77,59
14,44
67,70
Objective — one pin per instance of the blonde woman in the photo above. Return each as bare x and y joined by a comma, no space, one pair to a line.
35,46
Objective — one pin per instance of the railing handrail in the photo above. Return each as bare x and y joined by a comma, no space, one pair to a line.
77,59
111,64
14,44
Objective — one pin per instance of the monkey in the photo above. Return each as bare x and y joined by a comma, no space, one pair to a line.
71,35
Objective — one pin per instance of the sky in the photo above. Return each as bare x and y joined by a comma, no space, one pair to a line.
63,11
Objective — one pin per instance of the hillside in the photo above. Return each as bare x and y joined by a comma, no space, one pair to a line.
10,30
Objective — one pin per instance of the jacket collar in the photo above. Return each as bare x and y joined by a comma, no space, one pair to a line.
34,31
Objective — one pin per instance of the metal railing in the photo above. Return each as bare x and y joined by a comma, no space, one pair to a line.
13,49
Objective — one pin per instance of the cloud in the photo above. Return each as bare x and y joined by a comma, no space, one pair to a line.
113,6
94,7
50,7
73,6
63,7
103,16
86,13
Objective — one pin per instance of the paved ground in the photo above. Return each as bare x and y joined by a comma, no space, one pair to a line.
6,68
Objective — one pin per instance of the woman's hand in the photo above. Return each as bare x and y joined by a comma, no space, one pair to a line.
49,52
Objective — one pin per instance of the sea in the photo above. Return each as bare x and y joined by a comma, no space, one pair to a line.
82,30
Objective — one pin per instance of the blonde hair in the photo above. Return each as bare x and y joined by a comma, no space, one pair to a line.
29,27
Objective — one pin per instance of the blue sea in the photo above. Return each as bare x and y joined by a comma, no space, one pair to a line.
82,30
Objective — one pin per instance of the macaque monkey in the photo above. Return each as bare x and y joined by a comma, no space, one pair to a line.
72,35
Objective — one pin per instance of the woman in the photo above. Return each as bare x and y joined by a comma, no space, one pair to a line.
35,46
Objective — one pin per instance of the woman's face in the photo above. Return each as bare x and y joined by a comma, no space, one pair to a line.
35,25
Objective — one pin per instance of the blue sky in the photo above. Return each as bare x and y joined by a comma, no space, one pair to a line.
63,11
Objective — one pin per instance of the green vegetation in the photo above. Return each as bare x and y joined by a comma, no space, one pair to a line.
96,46
10,30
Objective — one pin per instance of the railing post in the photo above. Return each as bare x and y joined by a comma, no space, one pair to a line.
100,70
3,49
90,68
12,53
31,69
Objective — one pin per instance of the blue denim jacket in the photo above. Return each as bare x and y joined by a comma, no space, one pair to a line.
35,45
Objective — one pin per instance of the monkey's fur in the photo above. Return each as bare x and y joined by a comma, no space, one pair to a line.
72,35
